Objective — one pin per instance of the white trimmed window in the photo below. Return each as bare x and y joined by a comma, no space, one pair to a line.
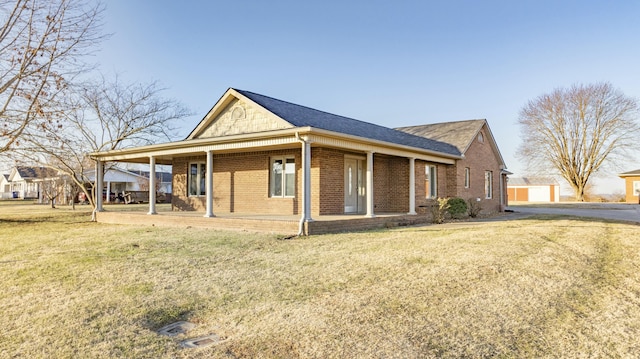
467,177
197,177
488,184
282,181
431,181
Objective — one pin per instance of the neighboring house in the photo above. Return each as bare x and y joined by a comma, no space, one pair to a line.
164,180
533,189
632,186
5,187
26,182
256,154
118,182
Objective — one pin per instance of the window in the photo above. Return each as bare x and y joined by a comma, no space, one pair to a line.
283,177
480,137
430,182
488,184
197,177
467,177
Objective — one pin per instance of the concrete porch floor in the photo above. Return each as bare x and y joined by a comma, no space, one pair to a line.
254,222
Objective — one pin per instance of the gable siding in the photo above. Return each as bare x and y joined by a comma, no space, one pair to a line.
252,120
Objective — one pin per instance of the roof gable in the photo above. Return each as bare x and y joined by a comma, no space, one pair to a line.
234,114
458,133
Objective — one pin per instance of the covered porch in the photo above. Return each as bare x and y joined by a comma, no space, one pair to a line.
298,142
252,222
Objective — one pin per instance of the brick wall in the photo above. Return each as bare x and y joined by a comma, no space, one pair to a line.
328,165
390,184
480,157
445,177
241,184
180,201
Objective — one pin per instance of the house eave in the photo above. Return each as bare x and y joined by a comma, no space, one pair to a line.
635,173
285,138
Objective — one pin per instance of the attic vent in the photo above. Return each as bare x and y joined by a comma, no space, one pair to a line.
480,137
237,113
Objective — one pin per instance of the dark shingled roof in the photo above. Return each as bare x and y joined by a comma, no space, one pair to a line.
301,116
458,133
35,172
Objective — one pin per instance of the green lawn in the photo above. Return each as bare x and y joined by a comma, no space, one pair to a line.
537,287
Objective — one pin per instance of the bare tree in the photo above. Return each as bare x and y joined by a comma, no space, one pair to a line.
103,116
579,131
52,189
50,184
43,45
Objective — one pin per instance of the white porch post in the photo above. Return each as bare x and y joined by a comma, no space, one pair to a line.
209,184
107,199
370,213
99,184
306,181
152,185
412,186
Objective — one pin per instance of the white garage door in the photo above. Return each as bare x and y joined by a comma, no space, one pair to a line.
539,194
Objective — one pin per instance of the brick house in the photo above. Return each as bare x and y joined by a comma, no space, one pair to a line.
256,154
632,186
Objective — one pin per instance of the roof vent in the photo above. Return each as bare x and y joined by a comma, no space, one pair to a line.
238,113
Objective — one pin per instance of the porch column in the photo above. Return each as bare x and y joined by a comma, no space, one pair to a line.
209,184
107,199
412,186
152,185
369,190
306,181
99,183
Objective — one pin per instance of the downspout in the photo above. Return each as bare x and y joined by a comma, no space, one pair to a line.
303,218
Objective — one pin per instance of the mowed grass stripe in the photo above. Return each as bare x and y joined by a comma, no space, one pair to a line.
539,287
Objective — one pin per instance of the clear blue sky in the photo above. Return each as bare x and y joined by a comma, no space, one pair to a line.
393,63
